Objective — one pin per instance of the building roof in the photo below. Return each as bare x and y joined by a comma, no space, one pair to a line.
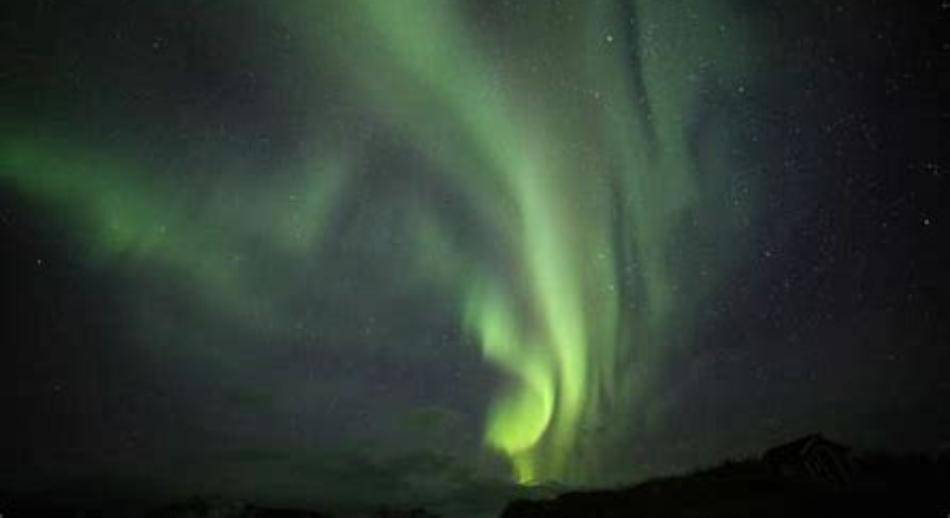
799,448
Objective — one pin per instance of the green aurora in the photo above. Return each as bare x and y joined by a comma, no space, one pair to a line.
564,131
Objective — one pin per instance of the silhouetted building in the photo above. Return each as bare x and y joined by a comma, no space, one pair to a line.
812,458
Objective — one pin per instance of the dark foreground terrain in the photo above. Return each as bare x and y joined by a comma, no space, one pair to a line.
901,488
809,477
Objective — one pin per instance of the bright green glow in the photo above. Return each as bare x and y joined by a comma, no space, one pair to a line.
566,141
573,176
122,214
521,416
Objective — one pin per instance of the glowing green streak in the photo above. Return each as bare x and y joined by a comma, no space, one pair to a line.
547,349
578,172
123,215
545,180
522,414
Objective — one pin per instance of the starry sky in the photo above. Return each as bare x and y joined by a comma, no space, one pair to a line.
416,251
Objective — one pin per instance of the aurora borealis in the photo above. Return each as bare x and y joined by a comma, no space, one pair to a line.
524,239
568,195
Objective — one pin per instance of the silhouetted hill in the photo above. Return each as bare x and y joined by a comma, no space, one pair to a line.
869,486
810,476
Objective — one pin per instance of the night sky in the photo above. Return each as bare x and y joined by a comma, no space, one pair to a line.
419,251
